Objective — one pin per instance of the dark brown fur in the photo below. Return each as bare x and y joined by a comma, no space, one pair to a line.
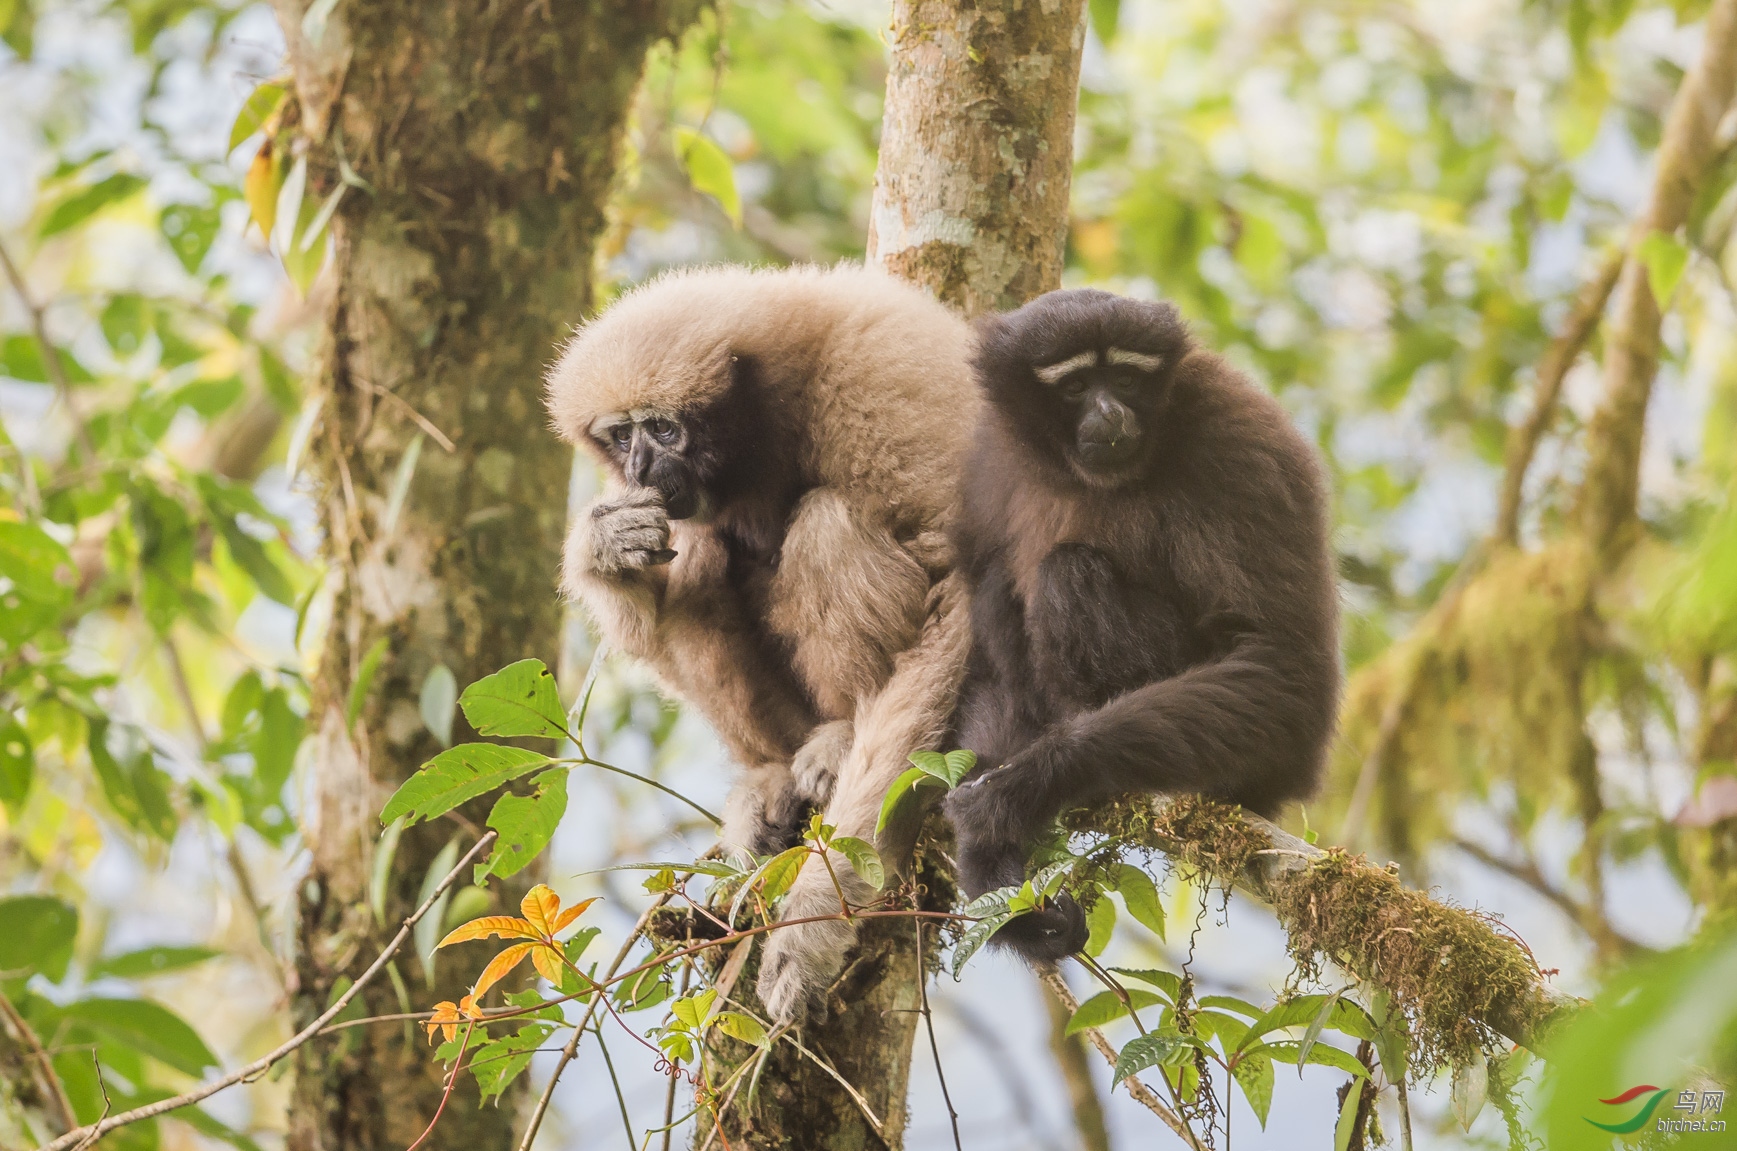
1168,624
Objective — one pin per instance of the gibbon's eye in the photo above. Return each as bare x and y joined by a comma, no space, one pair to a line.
663,429
1074,387
622,434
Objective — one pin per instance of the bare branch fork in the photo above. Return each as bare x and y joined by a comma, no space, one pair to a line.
261,1065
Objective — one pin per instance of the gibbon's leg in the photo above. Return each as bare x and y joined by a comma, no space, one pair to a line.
912,712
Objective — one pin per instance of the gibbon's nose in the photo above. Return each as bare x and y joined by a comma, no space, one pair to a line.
1108,422
640,458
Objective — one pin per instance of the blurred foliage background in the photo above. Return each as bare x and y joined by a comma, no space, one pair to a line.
1381,209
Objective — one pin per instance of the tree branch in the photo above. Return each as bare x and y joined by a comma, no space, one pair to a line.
50,353
1141,1094
261,1065
51,1081
1524,437
1608,495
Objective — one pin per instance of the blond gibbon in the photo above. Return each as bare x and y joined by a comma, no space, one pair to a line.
783,450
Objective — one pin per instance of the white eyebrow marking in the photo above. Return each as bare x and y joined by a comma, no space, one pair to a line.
601,426
1054,372
1135,359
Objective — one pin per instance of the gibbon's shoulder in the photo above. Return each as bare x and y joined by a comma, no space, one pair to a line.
667,343
1239,434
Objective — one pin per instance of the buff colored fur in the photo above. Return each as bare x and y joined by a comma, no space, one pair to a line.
854,657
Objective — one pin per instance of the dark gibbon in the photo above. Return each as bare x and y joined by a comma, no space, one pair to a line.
1153,606
783,450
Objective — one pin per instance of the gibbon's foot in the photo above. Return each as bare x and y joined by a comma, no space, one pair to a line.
628,533
817,762
1047,934
800,961
764,813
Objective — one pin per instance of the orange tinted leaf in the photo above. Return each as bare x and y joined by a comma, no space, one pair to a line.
548,961
572,913
444,1019
541,906
498,968
468,1008
505,926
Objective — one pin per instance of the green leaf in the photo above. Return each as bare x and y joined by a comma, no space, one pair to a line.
742,1027
438,702
274,747
1287,1013
1106,15
1140,896
710,171
498,1062
365,679
87,202
901,788
17,762
1346,1128
526,824
958,766
864,859
21,358
1471,1085
425,936
520,699
647,989
190,232
38,937
1313,1034
1107,1007
380,868
1254,1074
1319,1055
457,774
151,961
781,872
1146,1051
148,1028
255,111
1167,982
1101,924
973,939
251,556
125,320
42,576
1665,258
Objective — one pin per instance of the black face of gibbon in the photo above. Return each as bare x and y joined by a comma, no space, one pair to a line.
1153,606
1084,375
696,460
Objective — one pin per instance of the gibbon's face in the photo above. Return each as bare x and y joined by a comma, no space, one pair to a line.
656,450
1110,397
1084,375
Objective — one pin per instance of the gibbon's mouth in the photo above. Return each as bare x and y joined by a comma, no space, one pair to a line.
1108,456
686,504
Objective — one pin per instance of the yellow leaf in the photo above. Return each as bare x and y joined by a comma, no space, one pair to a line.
505,926
548,961
444,1019
261,187
541,906
499,967
572,913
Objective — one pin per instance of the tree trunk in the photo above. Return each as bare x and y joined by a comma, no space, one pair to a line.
487,137
971,202
971,195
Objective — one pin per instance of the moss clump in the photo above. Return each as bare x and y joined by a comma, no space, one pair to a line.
1444,967
1207,836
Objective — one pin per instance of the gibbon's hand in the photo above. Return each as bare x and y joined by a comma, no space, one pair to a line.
765,812
629,532
800,961
816,764
1045,935
997,805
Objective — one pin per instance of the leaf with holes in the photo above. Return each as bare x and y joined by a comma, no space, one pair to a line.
1254,1074
457,774
520,699
526,824
739,1026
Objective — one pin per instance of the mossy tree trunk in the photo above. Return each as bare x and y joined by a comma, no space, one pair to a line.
487,137
971,202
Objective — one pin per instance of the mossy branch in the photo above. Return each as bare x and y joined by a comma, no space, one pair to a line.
1458,980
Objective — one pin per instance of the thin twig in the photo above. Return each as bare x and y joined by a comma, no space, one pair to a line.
1140,1093
261,1065
615,1081
56,1090
107,1104
670,1090
446,1092
417,417
1586,917
572,1047
50,353
934,1048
